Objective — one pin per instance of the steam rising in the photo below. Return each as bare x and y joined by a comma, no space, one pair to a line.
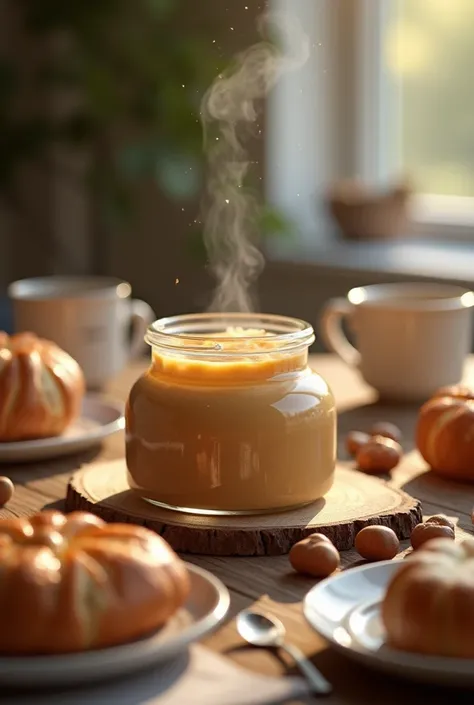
229,113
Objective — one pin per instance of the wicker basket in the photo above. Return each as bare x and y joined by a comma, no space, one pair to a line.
365,215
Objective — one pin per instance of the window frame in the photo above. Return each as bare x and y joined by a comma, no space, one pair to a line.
378,118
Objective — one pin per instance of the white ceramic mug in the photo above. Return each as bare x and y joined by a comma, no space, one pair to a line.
410,338
93,318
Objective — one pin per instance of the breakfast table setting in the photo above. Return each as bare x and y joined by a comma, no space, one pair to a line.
323,581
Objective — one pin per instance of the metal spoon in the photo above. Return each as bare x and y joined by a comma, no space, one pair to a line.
260,630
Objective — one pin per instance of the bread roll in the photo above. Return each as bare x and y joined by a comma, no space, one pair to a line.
71,583
428,607
41,388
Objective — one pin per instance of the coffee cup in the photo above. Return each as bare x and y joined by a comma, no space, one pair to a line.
410,338
93,318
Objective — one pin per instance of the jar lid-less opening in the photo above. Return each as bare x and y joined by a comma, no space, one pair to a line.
229,334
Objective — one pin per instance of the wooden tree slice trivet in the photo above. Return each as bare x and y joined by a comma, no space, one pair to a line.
354,501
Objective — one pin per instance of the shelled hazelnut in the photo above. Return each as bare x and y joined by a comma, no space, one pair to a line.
379,455
7,489
387,430
441,520
377,543
425,532
355,440
315,555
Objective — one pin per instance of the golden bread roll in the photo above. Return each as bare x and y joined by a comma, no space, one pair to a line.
72,582
428,606
41,388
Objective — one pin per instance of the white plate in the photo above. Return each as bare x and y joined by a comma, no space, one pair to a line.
204,610
345,610
100,417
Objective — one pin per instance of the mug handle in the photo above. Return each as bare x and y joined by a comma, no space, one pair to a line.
142,315
331,330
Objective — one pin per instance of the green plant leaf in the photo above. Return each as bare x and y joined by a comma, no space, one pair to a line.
273,222
179,175
161,8
138,159
128,65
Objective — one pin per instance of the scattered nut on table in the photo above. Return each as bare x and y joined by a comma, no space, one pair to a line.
387,430
377,543
441,520
425,532
379,455
6,490
355,440
315,555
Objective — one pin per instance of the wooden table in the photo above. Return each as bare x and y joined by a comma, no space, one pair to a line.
269,582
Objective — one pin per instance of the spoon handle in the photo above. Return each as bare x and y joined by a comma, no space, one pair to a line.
317,681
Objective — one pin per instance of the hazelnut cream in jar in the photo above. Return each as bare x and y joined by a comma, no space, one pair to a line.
229,418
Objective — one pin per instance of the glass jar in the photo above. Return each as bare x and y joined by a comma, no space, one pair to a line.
229,418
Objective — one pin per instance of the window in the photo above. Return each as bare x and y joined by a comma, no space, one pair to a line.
429,49
392,88
414,71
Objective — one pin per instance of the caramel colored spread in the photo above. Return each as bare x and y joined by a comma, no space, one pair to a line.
231,433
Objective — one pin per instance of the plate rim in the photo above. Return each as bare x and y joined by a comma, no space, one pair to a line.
54,442
422,666
135,653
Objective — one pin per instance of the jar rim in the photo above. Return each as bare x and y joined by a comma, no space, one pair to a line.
184,331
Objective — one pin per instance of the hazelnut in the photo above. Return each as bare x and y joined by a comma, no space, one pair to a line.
6,490
315,555
387,430
425,532
377,543
379,455
355,440
441,520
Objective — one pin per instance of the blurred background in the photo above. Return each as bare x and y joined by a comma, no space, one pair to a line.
364,158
